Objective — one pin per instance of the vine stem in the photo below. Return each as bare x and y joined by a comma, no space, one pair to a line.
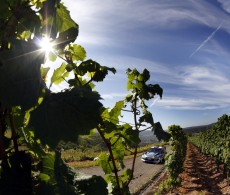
13,130
134,109
108,144
2,147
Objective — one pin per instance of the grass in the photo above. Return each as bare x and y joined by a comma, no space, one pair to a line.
80,158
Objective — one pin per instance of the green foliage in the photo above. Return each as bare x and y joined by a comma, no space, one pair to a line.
39,119
57,178
216,141
20,77
65,115
175,159
120,138
59,75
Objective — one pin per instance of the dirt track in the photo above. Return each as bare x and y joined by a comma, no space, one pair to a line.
143,173
201,175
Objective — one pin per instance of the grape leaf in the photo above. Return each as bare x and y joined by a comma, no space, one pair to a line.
113,114
20,77
59,74
65,115
160,133
131,136
95,70
147,117
78,52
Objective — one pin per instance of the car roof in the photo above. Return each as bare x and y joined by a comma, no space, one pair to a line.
157,147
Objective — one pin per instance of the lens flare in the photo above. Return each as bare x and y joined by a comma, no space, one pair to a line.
46,44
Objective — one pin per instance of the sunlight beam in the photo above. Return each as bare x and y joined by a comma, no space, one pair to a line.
46,44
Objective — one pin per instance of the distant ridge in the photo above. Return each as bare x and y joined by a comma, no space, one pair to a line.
197,129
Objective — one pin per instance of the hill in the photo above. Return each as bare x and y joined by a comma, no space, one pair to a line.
197,129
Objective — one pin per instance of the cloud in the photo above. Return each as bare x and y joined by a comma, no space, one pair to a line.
106,18
206,78
179,103
113,95
225,5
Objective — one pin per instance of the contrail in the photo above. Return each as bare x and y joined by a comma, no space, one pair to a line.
154,101
206,40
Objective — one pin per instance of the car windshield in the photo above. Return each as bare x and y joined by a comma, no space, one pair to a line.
155,150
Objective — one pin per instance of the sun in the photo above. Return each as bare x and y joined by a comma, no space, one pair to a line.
46,44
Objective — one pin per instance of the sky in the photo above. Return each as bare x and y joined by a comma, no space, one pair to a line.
184,44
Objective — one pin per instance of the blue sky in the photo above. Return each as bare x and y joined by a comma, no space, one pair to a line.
184,44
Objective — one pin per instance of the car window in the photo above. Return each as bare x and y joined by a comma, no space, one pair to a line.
155,150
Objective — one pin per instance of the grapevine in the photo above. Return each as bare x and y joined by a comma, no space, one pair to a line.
216,141
33,119
175,159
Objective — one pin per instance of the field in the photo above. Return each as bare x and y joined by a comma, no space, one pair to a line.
80,158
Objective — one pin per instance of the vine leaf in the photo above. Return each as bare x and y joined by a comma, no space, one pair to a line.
77,52
59,75
131,136
67,28
58,178
160,133
104,163
113,114
20,77
65,115
64,21
44,72
95,70
147,117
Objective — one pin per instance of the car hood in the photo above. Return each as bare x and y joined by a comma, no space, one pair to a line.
150,154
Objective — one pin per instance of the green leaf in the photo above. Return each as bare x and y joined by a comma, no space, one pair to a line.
44,72
44,177
104,163
116,112
59,74
67,28
48,168
65,115
95,70
52,56
146,75
131,136
129,85
129,98
4,10
64,21
148,118
160,133
20,76
78,52
155,89
25,35
126,175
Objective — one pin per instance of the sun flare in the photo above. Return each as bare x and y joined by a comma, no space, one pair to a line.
46,45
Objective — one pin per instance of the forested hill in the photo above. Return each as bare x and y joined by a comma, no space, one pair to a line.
197,129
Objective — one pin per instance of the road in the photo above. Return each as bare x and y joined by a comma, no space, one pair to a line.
143,173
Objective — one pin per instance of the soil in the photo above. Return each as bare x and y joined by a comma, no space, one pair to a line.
201,176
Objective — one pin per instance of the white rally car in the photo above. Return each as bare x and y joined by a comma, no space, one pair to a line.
155,154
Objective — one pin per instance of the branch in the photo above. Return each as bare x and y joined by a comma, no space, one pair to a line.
13,130
108,144
3,154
